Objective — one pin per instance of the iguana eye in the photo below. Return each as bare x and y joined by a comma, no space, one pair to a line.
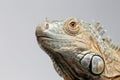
72,27
73,24
94,63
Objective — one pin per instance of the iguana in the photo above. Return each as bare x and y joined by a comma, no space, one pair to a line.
79,50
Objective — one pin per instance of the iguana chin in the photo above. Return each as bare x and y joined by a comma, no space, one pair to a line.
78,50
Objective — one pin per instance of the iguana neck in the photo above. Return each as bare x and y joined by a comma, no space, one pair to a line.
112,68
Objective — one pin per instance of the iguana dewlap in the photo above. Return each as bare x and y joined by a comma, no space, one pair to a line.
78,50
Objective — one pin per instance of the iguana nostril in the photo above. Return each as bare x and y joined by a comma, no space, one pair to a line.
46,26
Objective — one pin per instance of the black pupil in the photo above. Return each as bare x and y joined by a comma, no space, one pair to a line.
72,24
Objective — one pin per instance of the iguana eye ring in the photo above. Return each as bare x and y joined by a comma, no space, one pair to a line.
72,27
94,63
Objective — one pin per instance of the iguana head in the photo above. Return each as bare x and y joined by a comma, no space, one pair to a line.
75,47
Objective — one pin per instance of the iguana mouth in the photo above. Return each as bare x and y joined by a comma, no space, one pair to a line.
43,36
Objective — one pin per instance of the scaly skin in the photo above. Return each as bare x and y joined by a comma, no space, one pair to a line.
78,50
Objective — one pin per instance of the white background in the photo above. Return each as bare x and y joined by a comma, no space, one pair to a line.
20,56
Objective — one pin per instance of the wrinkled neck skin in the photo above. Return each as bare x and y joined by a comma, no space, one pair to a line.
112,66
112,69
